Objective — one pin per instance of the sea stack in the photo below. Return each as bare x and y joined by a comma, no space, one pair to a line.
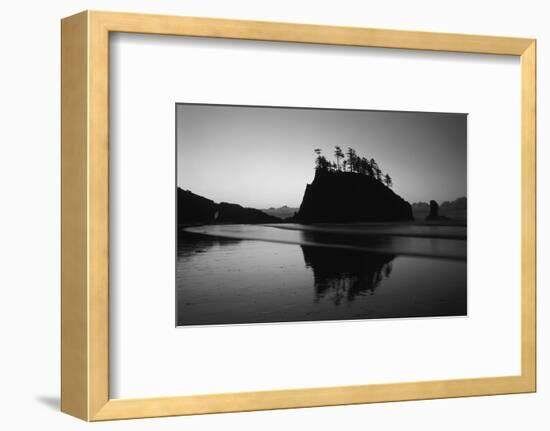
343,197
434,211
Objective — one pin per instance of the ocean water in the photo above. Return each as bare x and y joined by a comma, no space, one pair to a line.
229,274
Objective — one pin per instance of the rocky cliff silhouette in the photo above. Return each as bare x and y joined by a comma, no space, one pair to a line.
342,197
195,209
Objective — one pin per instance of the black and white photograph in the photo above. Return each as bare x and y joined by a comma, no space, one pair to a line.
307,214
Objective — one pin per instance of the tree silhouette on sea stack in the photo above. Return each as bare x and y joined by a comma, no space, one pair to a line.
350,188
351,162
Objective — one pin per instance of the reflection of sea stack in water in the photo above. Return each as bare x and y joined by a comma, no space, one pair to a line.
345,274
350,197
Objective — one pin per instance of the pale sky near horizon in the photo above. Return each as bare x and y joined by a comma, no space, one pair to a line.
263,157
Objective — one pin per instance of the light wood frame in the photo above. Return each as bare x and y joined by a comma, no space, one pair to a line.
85,218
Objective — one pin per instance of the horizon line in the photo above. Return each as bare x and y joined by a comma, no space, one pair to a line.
298,206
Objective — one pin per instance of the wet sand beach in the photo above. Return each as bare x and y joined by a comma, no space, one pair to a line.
287,272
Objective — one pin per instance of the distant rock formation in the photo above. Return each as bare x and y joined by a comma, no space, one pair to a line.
282,212
194,209
457,206
233,213
434,211
453,210
342,197
420,210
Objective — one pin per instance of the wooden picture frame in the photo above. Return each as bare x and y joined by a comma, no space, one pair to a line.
85,219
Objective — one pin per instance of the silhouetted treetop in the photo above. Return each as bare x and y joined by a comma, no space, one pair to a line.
351,162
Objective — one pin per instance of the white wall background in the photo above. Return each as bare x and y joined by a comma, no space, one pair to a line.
29,215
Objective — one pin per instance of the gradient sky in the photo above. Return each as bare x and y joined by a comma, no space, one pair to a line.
263,157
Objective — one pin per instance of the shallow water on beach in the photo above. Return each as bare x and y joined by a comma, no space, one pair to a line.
256,274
